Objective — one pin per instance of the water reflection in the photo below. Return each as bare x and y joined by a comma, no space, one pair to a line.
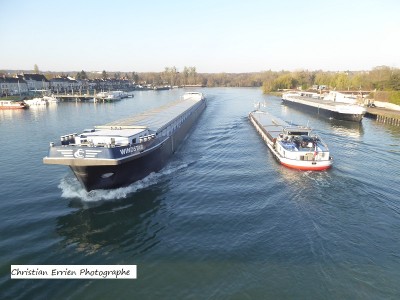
341,127
304,180
9,114
130,224
393,130
346,128
38,111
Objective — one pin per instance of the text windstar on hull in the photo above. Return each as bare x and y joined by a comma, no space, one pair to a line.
124,151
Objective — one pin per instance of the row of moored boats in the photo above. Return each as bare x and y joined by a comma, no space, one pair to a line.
45,100
39,101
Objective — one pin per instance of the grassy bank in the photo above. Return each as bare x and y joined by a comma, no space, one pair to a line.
12,98
387,96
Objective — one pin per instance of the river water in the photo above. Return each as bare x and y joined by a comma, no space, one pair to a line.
223,220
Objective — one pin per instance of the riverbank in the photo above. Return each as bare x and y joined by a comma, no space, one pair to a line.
12,98
384,115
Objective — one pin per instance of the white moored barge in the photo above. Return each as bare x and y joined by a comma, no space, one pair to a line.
124,151
293,146
311,102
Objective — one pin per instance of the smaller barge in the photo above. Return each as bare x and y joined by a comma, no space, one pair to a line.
293,146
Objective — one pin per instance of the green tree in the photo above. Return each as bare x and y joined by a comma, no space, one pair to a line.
36,69
394,81
285,81
117,75
81,75
356,82
135,77
340,81
104,75
192,75
170,75
185,75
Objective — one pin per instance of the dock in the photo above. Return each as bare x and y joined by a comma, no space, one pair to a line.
384,115
86,97
75,96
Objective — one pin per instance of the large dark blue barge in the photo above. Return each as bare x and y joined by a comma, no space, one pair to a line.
122,152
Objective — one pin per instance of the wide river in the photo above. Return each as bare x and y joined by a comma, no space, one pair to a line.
223,220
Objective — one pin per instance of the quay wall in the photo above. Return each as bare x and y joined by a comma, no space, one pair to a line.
384,115
395,121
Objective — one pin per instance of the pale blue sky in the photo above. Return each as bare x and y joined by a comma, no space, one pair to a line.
212,35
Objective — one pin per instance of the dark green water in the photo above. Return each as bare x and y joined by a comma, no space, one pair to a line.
223,220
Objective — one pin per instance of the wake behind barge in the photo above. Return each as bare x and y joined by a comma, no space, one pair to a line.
122,152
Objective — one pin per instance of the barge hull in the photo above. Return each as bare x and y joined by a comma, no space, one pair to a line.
319,166
113,176
324,112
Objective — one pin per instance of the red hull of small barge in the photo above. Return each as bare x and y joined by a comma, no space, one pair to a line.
301,168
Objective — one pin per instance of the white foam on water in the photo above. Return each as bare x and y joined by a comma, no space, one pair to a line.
320,178
72,189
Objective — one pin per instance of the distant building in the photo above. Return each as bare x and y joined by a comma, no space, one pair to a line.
111,84
91,84
63,84
35,81
319,87
13,86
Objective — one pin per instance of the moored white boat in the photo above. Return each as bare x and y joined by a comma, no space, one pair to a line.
293,146
51,99
36,101
102,95
111,95
313,102
7,104
115,95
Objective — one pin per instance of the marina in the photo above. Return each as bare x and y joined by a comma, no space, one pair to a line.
122,152
311,102
105,96
292,145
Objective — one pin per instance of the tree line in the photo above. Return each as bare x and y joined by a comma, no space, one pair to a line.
382,78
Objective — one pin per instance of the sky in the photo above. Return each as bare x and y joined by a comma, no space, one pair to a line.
212,35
